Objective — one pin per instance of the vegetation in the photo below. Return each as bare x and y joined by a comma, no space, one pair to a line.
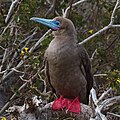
21,60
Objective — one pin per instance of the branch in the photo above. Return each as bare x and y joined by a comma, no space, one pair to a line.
114,11
99,75
104,95
11,13
110,102
112,116
97,33
70,5
4,78
4,58
46,112
73,5
52,8
100,105
110,25
14,95
13,9
39,41
95,52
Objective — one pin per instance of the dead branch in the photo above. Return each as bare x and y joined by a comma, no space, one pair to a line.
110,25
39,41
14,95
70,5
52,8
46,112
95,52
13,9
112,116
4,59
100,104
11,14
73,5
25,57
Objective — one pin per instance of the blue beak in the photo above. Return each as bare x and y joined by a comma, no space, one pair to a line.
53,24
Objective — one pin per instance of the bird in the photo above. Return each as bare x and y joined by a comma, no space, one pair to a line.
68,66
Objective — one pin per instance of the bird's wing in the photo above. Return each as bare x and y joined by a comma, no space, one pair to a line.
86,67
48,82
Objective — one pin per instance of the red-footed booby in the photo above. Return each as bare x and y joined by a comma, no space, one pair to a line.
68,65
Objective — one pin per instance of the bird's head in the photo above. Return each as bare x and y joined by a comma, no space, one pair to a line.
59,25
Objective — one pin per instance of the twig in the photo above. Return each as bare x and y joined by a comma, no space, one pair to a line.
14,95
114,11
100,105
110,102
98,113
110,25
2,47
93,54
17,70
39,41
95,34
104,94
98,75
13,8
4,58
52,8
70,5
22,61
10,16
3,72
73,5
45,86
108,113
94,97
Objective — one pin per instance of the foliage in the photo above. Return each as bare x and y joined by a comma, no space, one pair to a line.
89,17
114,80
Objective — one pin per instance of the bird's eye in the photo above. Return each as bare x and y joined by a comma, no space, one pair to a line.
57,23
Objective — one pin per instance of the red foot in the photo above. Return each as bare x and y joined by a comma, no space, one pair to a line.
71,105
74,106
57,104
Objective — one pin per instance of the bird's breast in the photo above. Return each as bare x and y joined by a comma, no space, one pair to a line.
64,69
62,54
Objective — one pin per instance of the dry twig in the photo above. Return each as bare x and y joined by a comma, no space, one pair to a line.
100,104
110,25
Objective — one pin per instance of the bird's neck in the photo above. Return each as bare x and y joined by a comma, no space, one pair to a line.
66,38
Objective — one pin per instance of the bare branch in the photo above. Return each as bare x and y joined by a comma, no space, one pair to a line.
95,34
13,9
104,95
115,26
117,116
22,61
39,41
70,5
4,58
14,95
73,5
110,102
114,11
110,25
17,70
94,96
100,105
11,13
93,54
52,8
98,75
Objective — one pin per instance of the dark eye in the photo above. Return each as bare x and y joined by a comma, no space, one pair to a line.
57,23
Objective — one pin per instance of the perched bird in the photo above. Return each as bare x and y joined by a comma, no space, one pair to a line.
68,65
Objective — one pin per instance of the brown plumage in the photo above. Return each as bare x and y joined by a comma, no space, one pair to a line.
68,65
